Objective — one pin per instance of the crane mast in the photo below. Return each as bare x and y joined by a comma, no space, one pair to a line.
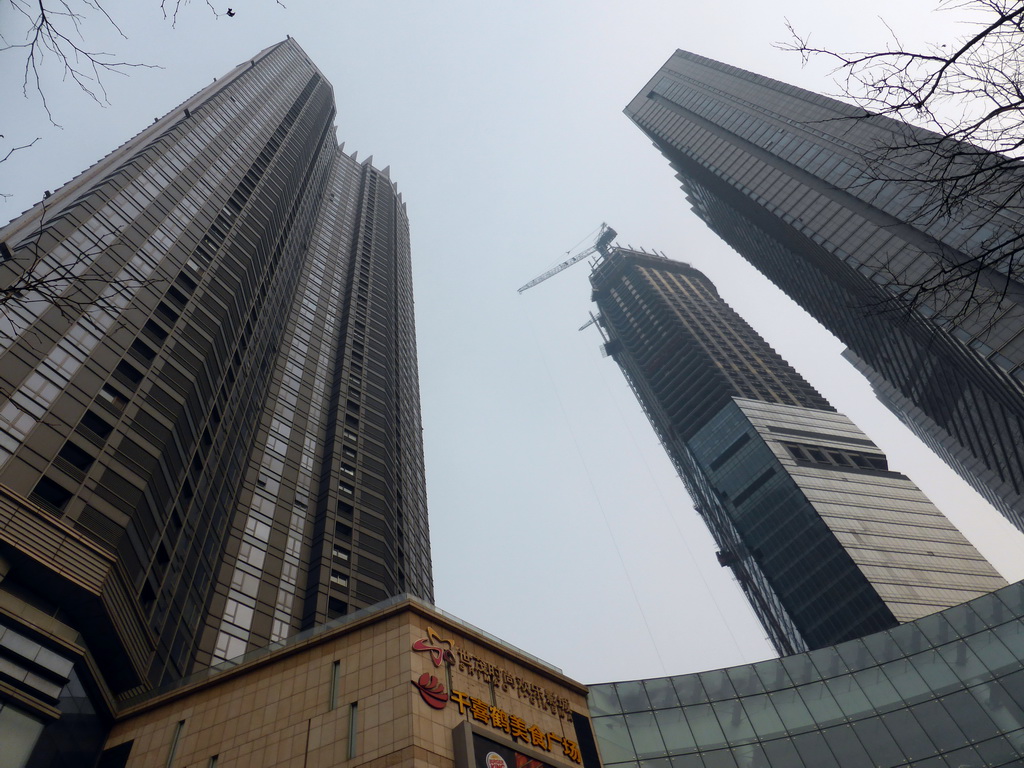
604,239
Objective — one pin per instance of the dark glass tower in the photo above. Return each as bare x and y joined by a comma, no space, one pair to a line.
794,182
827,543
209,422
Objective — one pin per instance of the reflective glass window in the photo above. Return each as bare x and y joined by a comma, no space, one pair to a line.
734,721
791,709
616,745
781,752
719,759
991,610
908,734
877,741
661,693
674,730
689,689
1012,636
828,662
993,654
942,730
936,629
963,661
997,751
815,751
717,684
882,647
878,689
772,675
856,655
1013,597
936,672
632,696
762,715
907,681
821,704
645,734
603,700
997,705
846,746
704,726
799,668
964,710
745,680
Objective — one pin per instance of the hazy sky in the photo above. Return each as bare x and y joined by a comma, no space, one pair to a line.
557,522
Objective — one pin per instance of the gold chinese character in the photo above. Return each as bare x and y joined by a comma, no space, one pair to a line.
462,700
480,711
538,738
518,729
571,750
499,719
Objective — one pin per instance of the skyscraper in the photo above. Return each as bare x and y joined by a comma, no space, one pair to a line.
827,543
209,424
796,183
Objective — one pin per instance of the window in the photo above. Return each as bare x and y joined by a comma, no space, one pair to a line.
113,398
52,494
95,424
75,456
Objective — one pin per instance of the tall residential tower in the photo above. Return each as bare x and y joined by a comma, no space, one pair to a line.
804,187
827,543
209,416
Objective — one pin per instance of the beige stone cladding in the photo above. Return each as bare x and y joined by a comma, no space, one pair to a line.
384,687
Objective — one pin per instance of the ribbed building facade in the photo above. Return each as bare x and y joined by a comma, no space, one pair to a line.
826,542
209,420
802,187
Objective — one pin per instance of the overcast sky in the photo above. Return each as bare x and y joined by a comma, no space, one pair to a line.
557,522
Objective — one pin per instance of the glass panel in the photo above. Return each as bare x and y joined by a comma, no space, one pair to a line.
750,756
781,752
720,759
687,761
645,734
821,704
964,758
745,680
882,647
909,735
878,742
674,730
689,689
969,717
991,610
661,693
814,750
1013,597
936,629
791,709
658,762
717,684
632,696
21,732
763,717
705,727
964,663
799,668
856,655
942,731
846,746
1012,636
1003,710
936,672
828,662
993,654
849,696
997,751
611,732
907,681
963,619
734,721
878,689
772,675
603,700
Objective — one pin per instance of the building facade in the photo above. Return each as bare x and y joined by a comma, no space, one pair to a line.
802,187
209,408
398,684
946,690
826,542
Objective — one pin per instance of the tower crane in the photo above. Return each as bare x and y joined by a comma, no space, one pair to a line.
604,238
